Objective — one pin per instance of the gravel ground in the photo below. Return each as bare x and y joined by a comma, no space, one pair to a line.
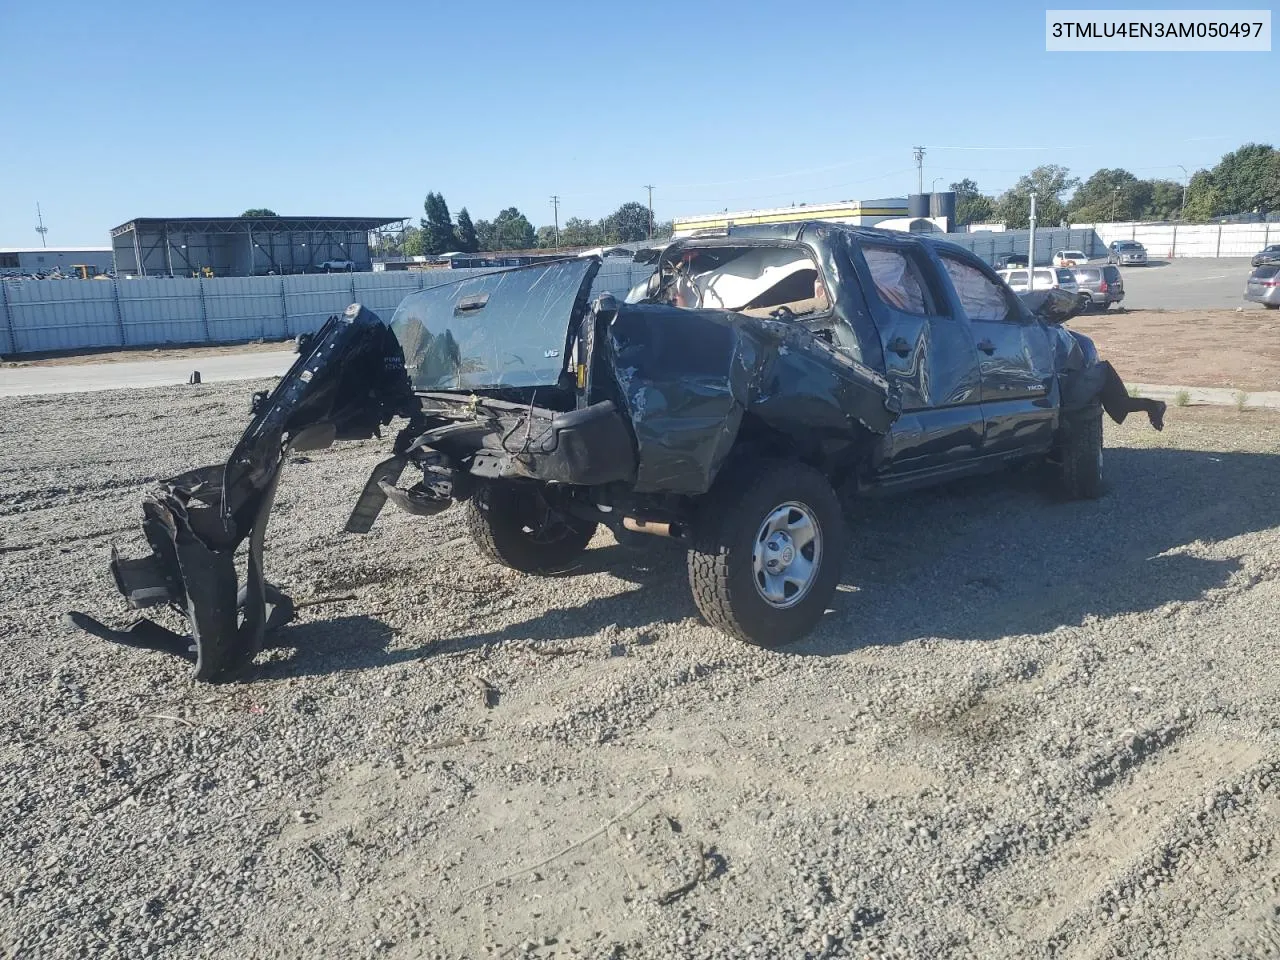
1029,728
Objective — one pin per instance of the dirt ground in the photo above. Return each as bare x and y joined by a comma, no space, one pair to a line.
1027,728
1191,348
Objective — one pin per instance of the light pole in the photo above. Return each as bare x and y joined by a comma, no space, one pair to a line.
1182,213
933,187
1031,246
1115,195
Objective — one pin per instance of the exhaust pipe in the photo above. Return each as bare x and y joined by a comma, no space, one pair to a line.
647,526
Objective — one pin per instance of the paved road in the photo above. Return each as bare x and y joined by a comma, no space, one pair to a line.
84,377
1188,285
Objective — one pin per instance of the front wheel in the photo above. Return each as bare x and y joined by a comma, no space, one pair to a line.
514,525
1081,453
767,553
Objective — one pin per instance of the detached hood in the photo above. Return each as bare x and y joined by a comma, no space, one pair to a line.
504,329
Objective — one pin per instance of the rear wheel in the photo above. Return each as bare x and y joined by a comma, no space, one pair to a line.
1081,454
514,525
767,553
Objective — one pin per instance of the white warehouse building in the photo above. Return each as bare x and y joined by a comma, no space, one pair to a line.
37,260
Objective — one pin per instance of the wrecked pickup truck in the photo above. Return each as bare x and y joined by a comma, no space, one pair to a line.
724,403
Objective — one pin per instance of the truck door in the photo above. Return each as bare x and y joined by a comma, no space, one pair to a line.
1016,359
929,357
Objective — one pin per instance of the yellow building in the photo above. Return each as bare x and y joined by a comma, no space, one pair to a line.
861,213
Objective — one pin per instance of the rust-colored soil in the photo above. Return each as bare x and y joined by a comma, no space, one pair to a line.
1194,348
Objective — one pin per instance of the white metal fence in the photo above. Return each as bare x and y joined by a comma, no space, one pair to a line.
1165,241
40,315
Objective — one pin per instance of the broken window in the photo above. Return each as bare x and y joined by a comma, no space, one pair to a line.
981,298
757,281
897,279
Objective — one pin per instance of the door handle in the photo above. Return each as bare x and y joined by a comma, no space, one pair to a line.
987,347
900,347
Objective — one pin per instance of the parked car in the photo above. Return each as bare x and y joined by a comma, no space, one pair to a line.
1010,260
1046,278
768,367
1263,285
1269,254
1128,252
329,266
1070,258
1102,284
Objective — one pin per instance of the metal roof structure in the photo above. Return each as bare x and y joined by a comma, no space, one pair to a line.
241,224
244,246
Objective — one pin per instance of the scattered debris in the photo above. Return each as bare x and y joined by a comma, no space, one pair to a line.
488,692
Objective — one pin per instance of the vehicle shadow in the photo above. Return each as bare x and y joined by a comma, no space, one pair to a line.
973,560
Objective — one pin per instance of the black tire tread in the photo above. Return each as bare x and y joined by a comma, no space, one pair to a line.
1079,474
497,535
709,559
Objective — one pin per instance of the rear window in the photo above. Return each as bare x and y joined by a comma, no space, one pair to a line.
1016,276
1089,275
1065,276
1266,273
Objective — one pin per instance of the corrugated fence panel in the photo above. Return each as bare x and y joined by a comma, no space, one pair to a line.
382,292
244,308
1246,241
161,310
310,300
63,314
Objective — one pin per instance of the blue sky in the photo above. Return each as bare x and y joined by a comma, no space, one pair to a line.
165,109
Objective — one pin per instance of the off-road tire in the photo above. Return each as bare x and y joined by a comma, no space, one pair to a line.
720,560
505,521
1081,453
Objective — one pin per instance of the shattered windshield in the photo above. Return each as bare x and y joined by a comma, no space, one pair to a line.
504,329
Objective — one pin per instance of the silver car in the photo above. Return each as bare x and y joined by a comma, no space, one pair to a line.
1264,286
1127,252
1102,283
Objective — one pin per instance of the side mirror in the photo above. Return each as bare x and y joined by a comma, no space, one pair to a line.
1052,306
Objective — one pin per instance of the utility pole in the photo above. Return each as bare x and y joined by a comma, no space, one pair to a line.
1182,214
1031,247
649,187
918,153
41,229
555,209
1114,197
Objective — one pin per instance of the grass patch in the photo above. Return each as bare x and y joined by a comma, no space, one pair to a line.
1182,398
1134,392
1242,400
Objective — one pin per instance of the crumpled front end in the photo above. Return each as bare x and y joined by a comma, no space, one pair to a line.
347,382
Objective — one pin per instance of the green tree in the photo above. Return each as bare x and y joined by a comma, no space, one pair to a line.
1110,194
437,226
972,206
259,212
628,223
468,242
486,235
411,244
1050,182
512,231
1248,179
546,237
1203,199
576,232
1165,201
